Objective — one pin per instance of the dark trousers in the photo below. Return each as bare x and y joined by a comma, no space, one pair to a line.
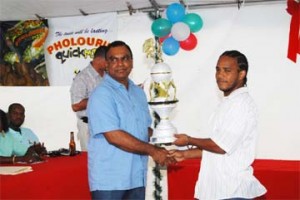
136,193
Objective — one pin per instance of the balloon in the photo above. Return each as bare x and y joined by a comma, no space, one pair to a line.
170,46
161,27
175,12
180,31
194,21
162,39
190,43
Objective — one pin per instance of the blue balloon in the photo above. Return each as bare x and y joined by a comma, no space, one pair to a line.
175,12
170,46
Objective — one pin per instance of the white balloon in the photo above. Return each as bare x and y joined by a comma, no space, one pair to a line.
180,31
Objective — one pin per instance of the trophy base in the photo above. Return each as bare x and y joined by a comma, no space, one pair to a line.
162,140
163,135
164,132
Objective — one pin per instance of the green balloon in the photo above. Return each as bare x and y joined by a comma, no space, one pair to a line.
194,21
161,27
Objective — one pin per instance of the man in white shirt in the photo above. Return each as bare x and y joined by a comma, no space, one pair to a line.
228,153
82,86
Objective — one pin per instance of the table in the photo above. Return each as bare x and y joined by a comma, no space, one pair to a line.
280,177
63,177
66,178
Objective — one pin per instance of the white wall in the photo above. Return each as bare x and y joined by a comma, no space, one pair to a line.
260,32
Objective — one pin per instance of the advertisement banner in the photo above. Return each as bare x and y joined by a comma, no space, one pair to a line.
22,60
72,41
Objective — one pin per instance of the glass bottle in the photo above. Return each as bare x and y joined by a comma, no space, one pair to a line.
72,145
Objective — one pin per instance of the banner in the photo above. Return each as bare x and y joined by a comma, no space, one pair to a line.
22,61
72,41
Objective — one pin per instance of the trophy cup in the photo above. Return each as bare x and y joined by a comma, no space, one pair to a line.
162,101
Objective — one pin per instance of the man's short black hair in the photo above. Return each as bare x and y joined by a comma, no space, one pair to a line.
13,105
241,61
100,52
118,43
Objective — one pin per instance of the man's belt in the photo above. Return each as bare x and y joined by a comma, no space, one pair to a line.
85,119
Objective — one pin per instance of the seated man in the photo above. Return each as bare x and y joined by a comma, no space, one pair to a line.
12,151
16,117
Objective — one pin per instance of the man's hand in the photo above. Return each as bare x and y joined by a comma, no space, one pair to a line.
177,155
31,156
39,148
182,140
34,153
160,156
180,155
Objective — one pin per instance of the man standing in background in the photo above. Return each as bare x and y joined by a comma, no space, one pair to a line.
82,86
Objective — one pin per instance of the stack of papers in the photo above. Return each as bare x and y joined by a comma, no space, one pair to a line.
13,170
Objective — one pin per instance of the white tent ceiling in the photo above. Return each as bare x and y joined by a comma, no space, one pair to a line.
33,9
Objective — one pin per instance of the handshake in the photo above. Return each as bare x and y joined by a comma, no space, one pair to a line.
164,157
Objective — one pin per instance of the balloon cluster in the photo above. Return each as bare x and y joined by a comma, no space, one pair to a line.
177,29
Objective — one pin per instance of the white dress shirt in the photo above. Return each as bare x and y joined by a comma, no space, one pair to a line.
234,129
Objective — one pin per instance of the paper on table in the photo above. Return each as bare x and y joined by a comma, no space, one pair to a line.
12,170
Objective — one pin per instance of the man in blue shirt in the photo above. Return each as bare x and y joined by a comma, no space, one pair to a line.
12,151
119,122
16,116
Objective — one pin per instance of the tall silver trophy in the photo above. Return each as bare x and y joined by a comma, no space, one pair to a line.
162,100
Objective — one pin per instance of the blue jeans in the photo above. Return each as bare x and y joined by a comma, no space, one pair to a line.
136,193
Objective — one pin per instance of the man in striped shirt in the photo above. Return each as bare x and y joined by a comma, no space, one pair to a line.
228,153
